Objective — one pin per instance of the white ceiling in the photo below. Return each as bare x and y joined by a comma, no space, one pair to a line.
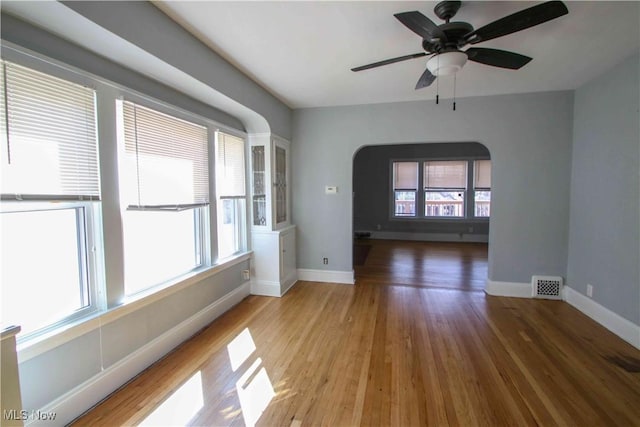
302,51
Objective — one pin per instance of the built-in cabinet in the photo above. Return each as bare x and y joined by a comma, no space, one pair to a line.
273,237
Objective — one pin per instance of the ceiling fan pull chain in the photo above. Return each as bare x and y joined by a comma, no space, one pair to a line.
438,83
454,92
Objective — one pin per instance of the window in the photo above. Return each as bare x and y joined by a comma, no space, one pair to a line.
445,183
165,189
450,189
405,187
50,194
231,194
482,188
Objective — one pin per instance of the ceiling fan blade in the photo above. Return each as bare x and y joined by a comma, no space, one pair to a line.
389,61
497,58
425,79
421,25
518,21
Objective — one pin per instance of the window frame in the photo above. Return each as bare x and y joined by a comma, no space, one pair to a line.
240,202
415,191
476,189
103,219
88,212
201,211
468,192
88,238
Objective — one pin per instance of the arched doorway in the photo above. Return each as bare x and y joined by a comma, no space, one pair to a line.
421,214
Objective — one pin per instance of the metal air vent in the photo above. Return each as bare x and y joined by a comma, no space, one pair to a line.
548,287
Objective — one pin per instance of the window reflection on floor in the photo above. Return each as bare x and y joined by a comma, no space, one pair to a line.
254,387
180,407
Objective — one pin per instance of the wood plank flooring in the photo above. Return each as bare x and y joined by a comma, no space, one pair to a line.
443,265
387,353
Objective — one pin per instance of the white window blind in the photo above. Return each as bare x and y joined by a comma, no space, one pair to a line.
230,172
482,174
166,160
445,174
49,144
405,176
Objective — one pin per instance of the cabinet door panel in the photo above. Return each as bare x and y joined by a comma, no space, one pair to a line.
288,255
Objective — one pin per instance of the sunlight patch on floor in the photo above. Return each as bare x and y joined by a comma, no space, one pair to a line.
254,387
240,349
256,394
180,407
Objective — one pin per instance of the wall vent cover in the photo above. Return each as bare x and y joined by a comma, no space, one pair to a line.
548,287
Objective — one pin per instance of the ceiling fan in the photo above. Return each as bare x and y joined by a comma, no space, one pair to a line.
445,41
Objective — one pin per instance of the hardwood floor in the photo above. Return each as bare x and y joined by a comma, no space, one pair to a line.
385,353
443,265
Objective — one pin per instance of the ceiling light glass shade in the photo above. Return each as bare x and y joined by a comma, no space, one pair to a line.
446,63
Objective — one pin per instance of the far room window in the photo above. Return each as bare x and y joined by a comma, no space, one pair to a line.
165,189
405,188
445,183
482,188
450,189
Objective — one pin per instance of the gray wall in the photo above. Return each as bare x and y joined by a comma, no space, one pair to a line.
372,192
26,35
604,236
528,136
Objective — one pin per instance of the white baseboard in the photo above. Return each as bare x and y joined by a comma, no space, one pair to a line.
75,402
620,326
265,288
328,276
269,288
508,289
429,237
289,281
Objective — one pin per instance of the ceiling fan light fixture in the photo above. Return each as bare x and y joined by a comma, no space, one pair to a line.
446,63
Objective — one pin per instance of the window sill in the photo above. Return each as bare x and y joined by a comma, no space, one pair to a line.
440,219
40,344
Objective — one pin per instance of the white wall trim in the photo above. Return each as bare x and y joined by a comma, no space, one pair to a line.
289,281
508,289
625,329
430,237
78,400
267,288
328,276
628,331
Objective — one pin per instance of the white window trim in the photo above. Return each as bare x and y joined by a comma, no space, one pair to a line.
49,340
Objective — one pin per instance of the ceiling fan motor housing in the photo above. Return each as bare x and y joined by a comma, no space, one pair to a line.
454,32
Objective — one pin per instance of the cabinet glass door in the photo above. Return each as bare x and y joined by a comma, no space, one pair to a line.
258,183
281,184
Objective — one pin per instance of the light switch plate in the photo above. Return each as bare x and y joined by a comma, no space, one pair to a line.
330,189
